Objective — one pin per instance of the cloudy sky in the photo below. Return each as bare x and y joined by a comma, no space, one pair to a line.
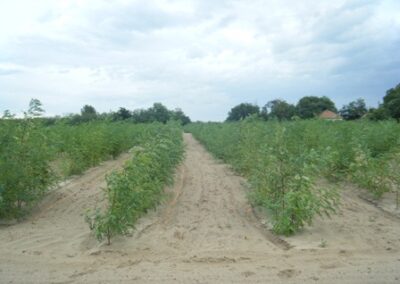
203,56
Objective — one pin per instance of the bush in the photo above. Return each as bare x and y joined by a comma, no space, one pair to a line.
138,187
283,160
34,156
25,172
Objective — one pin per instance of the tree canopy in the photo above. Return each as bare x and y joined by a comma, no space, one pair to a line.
179,115
354,110
242,111
376,114
280,109
122,114
35,108
391,102
156,113
311,106
88,113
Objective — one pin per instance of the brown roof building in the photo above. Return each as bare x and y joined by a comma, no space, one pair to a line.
330,115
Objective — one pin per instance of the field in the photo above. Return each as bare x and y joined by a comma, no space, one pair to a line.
287,164
35,157
305,201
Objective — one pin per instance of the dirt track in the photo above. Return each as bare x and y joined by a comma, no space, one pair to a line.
204,232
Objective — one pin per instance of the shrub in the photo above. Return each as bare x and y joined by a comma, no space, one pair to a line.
138,187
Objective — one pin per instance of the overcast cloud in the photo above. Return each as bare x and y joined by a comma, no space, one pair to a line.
203,56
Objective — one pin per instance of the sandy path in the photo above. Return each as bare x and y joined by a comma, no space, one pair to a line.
204,232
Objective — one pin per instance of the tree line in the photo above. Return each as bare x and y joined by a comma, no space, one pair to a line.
157,113
311,106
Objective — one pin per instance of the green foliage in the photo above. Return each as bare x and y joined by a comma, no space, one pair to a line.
122,114
393,176
377,114
310,106
88,113
242,111
370,173
283,161
159,113
354,110
35,154
282,183
138,187
25,172
391,102
280,110
35,109
83,146
179,115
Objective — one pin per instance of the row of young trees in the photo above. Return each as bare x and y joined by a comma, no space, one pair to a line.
311,106
292,167
33,157
138,187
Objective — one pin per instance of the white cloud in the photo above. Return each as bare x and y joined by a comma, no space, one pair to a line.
202,56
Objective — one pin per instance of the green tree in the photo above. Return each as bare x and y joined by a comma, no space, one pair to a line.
7,114
311,106
159,113
264,112
391,102
281,110
25,172
122,114
35,108
354,110
179,115
138,116
283,183
376,114
242,111
88,113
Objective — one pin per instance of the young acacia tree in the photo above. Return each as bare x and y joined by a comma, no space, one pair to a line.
138,187
283,183
25,172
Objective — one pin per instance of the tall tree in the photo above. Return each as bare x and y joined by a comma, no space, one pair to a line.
179,115
264,112
391,102
7,114
35,108
379,113
242,111
122,114
311,106
281,110
88,112
159,113
354,110
141,116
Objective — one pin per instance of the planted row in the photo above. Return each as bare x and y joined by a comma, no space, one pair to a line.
283,161
77,148
138,187
33,157
25,155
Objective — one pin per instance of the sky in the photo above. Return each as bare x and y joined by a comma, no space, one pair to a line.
202,56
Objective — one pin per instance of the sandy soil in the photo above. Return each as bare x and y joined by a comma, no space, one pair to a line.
204,232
